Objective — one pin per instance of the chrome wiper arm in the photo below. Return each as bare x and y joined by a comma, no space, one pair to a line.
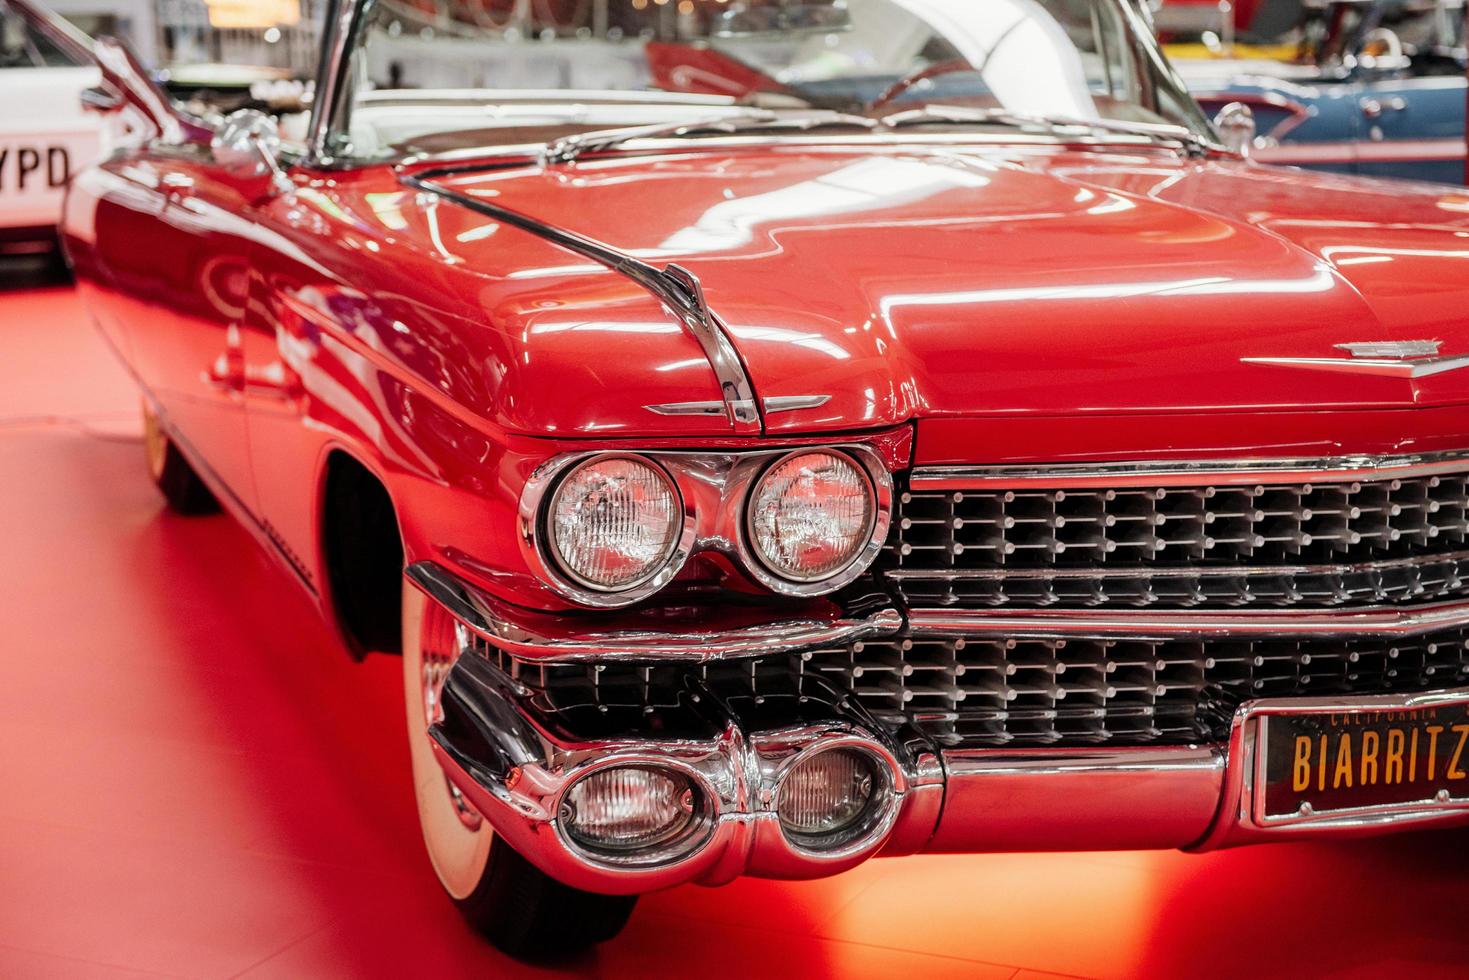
1193,143
569,148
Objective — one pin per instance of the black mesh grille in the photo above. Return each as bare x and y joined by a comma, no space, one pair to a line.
1390,541
997,693
1126,692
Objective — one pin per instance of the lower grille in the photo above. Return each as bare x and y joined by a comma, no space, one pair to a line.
998,692
973,692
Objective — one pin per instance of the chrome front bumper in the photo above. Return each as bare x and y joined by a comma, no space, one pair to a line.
512,757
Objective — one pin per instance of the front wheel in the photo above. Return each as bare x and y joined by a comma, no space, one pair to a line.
521,910
182,488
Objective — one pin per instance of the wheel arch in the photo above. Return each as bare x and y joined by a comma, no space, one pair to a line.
362,554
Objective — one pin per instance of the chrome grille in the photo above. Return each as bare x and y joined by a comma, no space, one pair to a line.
1282,545
1035,692
1047,691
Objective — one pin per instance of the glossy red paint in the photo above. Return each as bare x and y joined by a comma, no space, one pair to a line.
1006,302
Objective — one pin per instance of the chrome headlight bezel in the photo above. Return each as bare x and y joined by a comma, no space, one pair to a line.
880,498
542,554
714,489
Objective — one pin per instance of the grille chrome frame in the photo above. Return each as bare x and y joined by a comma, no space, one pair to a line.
1191,472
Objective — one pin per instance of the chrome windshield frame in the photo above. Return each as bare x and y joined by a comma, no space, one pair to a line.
339,41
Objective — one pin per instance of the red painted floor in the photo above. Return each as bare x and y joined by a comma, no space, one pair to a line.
192,784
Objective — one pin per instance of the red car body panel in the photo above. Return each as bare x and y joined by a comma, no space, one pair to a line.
979,304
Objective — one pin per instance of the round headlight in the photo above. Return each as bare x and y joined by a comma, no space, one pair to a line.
628,808
613,523
811,515
826,798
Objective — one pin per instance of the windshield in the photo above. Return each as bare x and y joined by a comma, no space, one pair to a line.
431,77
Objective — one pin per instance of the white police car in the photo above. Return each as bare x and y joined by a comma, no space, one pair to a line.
45,136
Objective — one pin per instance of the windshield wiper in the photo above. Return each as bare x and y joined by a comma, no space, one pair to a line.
568,148
1193,144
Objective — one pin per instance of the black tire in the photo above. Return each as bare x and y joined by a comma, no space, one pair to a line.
182,489
529,915
516,906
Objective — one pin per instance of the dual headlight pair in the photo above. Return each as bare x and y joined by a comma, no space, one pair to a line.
617,527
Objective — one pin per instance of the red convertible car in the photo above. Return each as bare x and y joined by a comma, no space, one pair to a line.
955,447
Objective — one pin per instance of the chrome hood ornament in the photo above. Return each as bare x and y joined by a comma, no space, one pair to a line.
1388,358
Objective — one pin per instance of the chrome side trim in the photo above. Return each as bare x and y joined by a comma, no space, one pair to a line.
1381,366
794,403
689,408
1187,473
678,288
552,638
1242,817
1373,621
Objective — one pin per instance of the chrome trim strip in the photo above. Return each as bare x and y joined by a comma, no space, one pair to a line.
1380,366
678,288
772,405
481,158
552,638
1190,473
1191,571
794,403
1371,621
1242,818
689,408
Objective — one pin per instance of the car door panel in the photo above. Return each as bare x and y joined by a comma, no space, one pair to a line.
182,274
1413,128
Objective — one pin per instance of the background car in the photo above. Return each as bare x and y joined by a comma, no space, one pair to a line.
1377,87
45,136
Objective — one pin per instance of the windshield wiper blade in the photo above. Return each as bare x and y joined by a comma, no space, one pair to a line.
569,148
1193,143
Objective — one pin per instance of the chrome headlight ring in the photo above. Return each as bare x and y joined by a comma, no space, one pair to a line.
880,483
714,490
539,548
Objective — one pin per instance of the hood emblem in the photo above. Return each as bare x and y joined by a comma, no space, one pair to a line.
1393,350
1386,358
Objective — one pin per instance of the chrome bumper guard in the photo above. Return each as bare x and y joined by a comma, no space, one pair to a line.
512,758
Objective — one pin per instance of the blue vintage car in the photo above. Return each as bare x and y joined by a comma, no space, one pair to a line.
1378,89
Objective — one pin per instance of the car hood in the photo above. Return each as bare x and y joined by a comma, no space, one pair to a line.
951,282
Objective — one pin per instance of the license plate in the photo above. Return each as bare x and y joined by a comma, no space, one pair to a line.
1332,760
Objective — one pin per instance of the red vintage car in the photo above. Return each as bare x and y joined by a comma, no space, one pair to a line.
953,447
